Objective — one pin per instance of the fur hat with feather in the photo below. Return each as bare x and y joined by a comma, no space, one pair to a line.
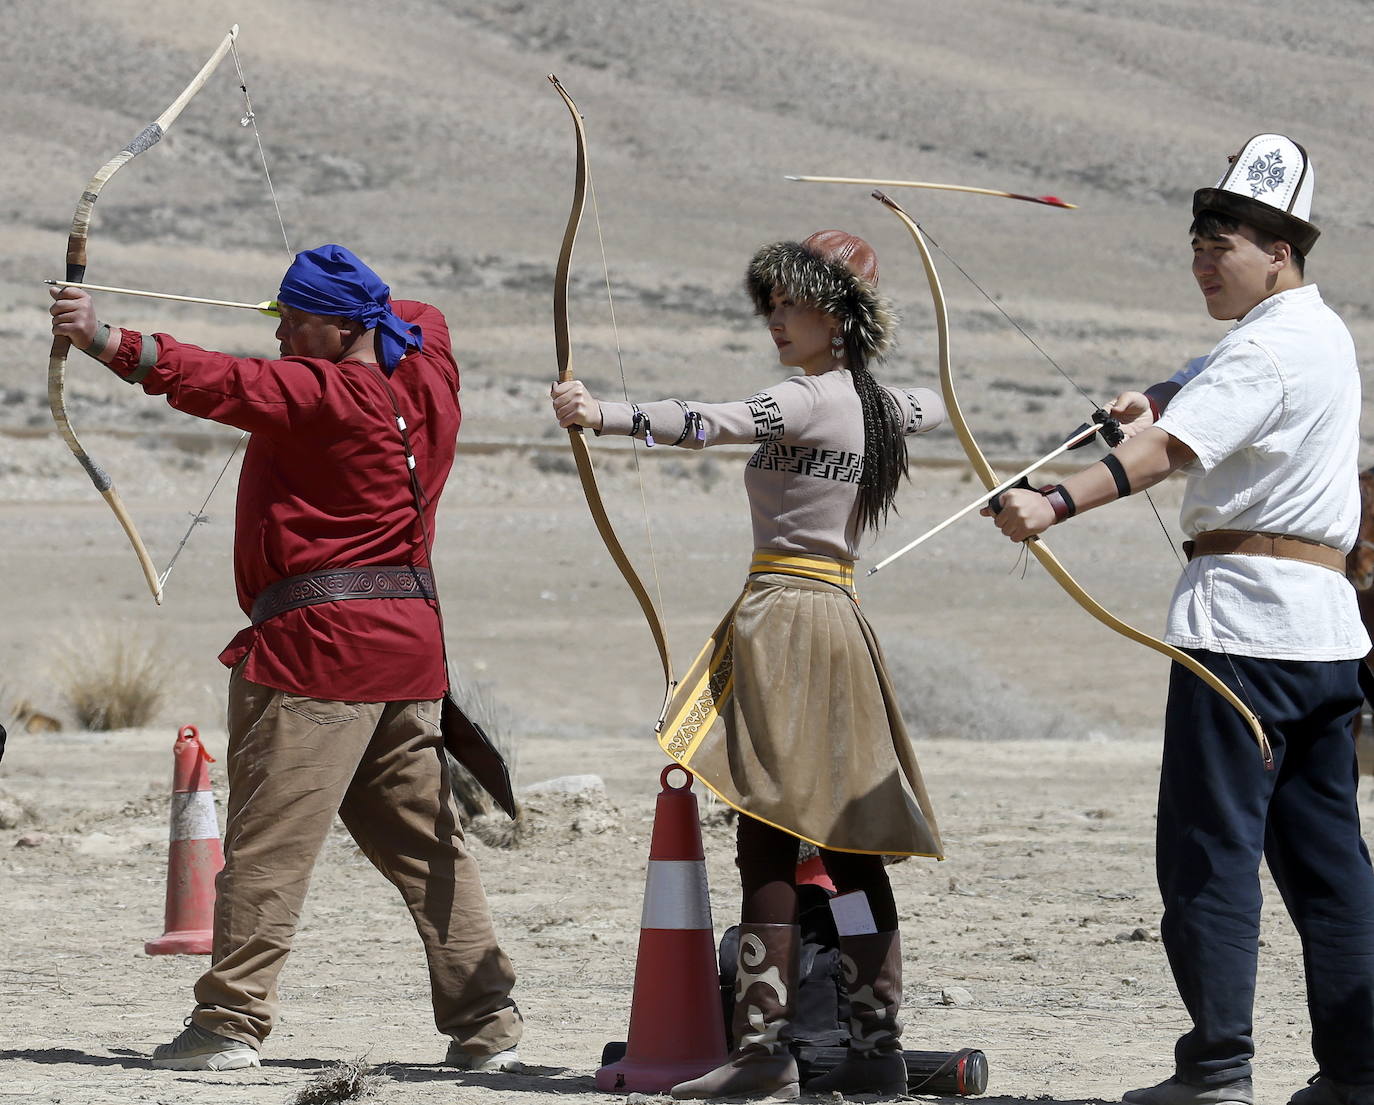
834,271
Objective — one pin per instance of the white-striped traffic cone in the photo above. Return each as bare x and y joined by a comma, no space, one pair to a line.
677,1031
194,853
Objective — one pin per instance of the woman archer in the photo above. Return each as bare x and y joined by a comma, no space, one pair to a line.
812,745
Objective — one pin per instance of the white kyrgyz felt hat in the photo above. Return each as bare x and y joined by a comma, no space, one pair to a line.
1268,185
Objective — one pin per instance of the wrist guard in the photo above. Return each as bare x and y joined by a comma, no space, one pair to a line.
100,342
1061,502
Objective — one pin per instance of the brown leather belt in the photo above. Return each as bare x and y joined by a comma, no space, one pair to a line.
1223,542
340,584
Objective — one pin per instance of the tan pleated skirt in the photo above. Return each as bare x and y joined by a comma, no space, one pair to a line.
788,715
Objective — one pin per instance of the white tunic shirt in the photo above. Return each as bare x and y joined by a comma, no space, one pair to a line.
1273,416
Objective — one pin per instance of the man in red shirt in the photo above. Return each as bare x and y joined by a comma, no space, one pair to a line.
334,696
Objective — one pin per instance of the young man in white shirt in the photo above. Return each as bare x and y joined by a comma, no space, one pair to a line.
1266,429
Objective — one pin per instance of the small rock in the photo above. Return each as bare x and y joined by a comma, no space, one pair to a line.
34,722
101,844
1137,935
597,819
12,814
569,784
955,995
32,840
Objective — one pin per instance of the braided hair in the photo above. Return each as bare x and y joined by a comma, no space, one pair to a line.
885,457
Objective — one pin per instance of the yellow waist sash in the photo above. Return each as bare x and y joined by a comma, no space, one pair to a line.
825,568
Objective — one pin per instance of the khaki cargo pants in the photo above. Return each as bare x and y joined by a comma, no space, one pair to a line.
292,763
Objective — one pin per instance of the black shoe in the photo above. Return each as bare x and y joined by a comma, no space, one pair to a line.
1174,1091
1321,1090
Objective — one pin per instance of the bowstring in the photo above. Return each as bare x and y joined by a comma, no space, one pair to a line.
1163,527
625,389
248,119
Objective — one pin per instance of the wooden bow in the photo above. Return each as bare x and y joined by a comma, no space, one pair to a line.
576,439
1037,546
77,241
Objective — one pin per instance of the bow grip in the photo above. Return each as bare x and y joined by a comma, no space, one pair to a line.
995,503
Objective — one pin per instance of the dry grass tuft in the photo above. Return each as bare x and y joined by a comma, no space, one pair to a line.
346,1080
111,678
496,830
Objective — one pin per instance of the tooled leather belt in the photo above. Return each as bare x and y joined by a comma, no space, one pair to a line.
341,584
1221,542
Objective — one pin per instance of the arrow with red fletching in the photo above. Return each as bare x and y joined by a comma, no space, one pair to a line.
1050,201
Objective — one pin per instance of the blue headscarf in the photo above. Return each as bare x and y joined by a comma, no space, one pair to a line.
330,280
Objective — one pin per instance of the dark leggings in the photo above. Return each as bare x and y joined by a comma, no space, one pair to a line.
767,861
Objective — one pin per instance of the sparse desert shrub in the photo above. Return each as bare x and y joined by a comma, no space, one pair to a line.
555,464
111,677
704,470
709,470
945,691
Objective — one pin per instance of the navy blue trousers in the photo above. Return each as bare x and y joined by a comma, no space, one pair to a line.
1219,812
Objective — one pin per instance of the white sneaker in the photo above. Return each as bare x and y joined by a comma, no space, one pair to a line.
197,1048
499,1061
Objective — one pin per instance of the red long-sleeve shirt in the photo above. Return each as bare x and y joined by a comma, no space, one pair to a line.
324,485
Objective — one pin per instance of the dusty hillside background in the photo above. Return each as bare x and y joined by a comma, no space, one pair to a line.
424,135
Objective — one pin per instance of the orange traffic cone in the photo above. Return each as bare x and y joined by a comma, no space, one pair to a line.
194,855
676,1028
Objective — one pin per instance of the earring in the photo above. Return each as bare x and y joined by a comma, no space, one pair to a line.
836,344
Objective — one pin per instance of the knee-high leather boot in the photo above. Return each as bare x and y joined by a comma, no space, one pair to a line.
765,984
873,1064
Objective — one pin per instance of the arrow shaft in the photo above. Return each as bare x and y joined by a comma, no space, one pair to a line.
267,308
982,500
